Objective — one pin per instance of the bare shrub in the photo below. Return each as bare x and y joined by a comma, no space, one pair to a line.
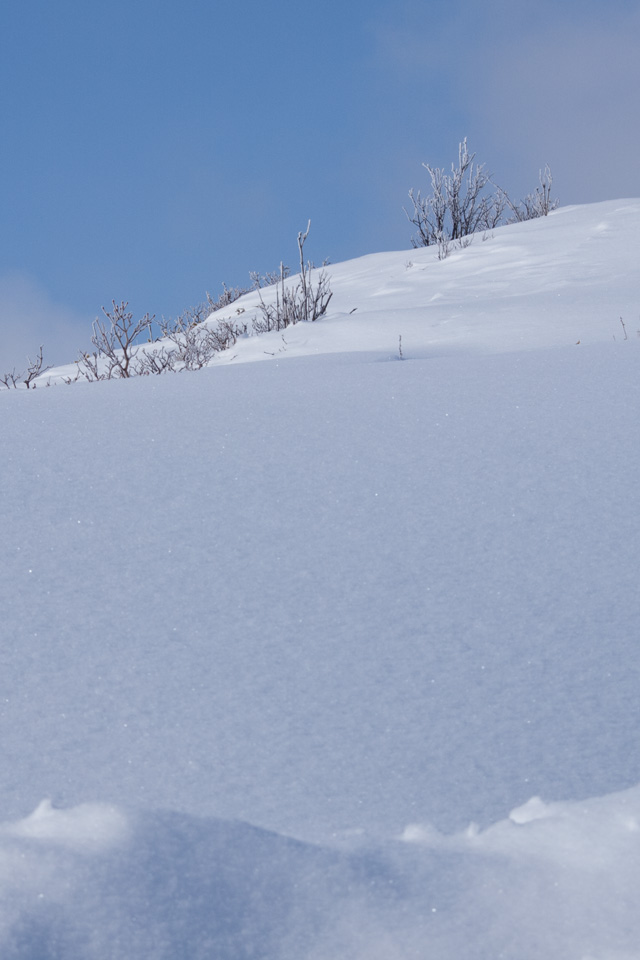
536,204
156,361
458,205
35,369
193,344
303,302
9,380
466,201
114,341
187,342
269,278
230,294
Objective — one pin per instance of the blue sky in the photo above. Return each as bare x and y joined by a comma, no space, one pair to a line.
151,151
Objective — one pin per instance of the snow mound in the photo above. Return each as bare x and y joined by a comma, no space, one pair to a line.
89,826
561,883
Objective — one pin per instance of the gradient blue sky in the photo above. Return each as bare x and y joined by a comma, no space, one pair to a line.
150,151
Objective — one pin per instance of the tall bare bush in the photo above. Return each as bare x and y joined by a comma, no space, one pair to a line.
466,201
305,301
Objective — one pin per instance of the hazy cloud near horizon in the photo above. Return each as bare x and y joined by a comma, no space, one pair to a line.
29,318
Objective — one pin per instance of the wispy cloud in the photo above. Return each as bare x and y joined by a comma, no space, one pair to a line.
528,86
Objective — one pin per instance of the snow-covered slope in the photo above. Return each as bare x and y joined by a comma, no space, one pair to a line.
548,282
341,598
552,282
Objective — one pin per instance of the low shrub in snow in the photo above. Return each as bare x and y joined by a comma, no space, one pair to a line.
187,342
303,302
35,369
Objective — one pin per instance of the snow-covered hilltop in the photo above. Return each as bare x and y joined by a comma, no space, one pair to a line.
542,283
276,634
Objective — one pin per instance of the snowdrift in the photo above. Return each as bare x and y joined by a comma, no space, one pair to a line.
93,882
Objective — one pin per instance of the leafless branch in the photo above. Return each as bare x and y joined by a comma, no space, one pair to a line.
35,369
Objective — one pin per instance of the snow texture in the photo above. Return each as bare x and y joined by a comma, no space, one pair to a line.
275,634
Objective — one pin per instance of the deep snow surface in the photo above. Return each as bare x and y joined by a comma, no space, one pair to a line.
340,597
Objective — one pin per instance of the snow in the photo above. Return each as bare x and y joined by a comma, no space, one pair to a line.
560,884
324,656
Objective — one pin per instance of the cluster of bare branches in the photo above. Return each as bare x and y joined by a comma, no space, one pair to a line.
304,302
188,342
35,369
185,344
457,205
269,278
115,355
537,204
230,294
466,201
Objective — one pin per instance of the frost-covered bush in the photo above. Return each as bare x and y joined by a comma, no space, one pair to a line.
191,344
115,355
458,204
303,302
536,204
188,342
466,201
